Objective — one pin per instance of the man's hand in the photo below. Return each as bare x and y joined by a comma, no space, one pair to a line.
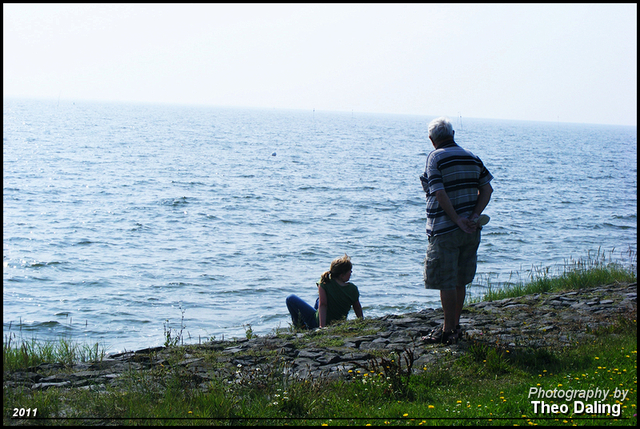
467,225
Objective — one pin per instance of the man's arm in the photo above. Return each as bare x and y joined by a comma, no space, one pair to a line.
484,195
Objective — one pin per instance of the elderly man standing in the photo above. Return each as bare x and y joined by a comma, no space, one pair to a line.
458,189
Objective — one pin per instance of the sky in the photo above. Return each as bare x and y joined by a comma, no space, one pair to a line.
538,62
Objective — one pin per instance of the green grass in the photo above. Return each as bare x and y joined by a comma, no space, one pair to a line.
594,270
488,385
21,354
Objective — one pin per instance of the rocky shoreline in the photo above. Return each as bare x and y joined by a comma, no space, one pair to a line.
554,319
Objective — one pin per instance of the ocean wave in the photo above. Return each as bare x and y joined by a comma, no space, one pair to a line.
614,226
179,201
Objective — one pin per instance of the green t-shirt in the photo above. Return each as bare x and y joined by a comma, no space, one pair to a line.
339,300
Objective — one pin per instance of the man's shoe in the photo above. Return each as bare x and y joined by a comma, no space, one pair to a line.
438,336
459,332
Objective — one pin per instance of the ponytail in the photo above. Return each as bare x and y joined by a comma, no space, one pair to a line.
326,277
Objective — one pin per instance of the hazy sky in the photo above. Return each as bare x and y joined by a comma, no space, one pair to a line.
545,62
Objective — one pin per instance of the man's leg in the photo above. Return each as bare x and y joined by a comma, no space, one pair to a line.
440,271
449,300
467,265
461,292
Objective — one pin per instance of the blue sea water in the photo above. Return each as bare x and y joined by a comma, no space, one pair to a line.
123,220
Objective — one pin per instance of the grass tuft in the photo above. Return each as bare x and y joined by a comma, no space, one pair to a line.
30,353
594,270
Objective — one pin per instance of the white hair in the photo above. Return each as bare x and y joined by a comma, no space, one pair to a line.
440,128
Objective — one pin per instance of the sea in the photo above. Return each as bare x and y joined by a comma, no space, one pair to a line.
125,222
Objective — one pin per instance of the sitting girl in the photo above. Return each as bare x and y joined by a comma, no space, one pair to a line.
335,298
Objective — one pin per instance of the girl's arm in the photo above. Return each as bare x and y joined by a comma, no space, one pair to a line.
357,308
322,306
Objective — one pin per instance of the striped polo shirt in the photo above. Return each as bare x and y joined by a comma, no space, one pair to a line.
460,173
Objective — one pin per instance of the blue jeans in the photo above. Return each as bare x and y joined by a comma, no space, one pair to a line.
301,312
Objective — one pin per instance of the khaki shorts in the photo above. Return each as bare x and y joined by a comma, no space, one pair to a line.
451,260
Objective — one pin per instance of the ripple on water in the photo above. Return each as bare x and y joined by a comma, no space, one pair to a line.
139,228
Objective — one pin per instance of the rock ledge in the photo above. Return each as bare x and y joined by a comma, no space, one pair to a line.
551,320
